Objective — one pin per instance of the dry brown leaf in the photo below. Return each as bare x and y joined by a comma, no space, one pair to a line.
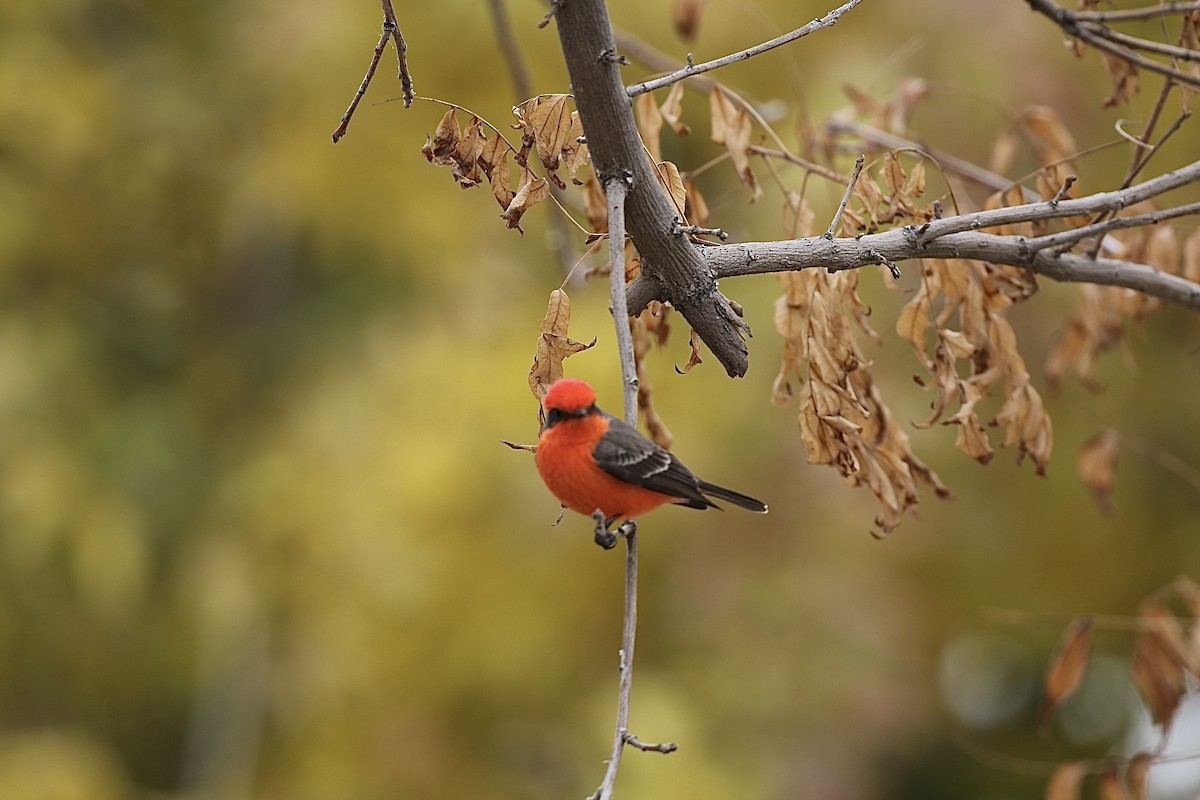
440,149
532,191
575,154
466,155
1066,781
1124,76
553,345
595,205
695,210
1004,150
1052,141
493,160
1191,257
731,127
672,184
656,429
694,357
686,18
1157,673
1098,465
672,110
649,124
1066,668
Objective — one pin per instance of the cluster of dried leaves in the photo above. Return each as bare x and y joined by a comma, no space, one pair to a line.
547,125
1166,659
843,420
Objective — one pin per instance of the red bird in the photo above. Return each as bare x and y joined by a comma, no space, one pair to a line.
601,467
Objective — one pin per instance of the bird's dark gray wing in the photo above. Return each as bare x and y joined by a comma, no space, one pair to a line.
629,456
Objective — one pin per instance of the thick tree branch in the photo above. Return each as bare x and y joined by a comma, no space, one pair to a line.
586,36
827,21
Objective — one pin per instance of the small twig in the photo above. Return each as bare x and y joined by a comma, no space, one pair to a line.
1133,42
827,21
884,261
554,4
518,446
791,158
362,87
391,29
678,229
1068,238
1068,182
649,747
837,217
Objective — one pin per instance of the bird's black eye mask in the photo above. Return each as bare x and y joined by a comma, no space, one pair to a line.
555,415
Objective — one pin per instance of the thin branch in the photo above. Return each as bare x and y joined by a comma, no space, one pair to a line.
616,188
841,209
391,30
1136,43
966,169
1099,38
792,158
1068,238
1150,12
402,73
827,21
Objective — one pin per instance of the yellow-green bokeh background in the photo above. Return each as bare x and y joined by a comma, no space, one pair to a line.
258,537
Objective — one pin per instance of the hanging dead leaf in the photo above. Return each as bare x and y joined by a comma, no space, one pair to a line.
672,110
1004,150
1052,140
1124,77
672,184
575,154
656,429
595,205
1157,673
493,160
731,127
553,345
1068,664
649,124
695,210
532,191
440,149
1098,465
686,18
1066,781
694,357
466,155
545,122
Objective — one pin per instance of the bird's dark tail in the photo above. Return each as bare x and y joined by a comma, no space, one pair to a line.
737,498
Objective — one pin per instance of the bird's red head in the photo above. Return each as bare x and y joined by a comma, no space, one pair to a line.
569,396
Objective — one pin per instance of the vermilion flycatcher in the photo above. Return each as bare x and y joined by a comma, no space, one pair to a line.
601,467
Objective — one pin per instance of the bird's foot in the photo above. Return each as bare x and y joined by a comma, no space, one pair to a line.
604,537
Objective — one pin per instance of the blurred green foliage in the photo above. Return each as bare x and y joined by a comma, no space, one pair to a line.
258,537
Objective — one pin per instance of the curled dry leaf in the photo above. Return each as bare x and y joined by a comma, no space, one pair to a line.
695,210
672,110
672,184
694,357
1098,466
1004,151
1051,139
1066,668
971,327
1160,663
595,206
1124,77
731,127
554,131
553,345
532,191
1066,781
